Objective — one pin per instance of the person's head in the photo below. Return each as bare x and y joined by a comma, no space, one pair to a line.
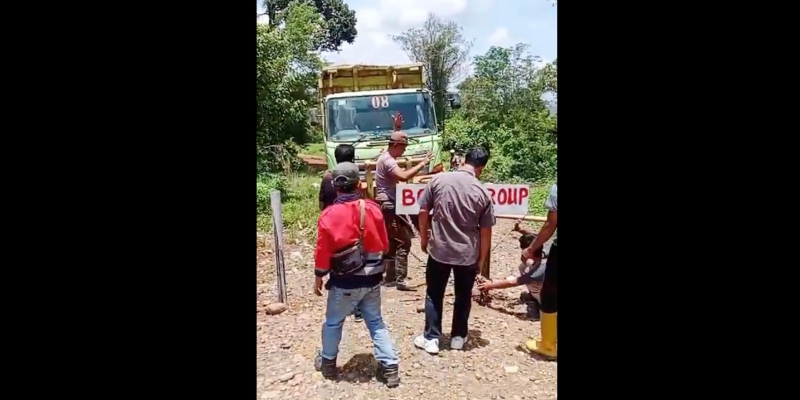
397,143
345,153
345,177
526,240
477,158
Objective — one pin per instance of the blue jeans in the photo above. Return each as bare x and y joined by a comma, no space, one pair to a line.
341,303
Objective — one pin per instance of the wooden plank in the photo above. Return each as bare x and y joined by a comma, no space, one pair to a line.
531,218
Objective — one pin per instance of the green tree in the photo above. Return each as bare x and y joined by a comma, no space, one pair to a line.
339,21
285,69
503,109
441,46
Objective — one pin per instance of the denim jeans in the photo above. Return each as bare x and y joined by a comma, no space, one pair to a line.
341,303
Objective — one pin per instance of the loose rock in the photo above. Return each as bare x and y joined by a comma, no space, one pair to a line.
275,308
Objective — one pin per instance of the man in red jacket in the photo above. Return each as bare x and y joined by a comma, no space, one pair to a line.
355,281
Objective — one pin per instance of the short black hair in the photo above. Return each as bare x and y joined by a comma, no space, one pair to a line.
476,157
345,153
527,239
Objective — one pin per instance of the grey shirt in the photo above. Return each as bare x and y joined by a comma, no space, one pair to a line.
385,179
458,206
552,204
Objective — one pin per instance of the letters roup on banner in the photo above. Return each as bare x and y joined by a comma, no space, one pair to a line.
507,199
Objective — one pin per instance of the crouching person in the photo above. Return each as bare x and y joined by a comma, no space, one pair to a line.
531,273
351,240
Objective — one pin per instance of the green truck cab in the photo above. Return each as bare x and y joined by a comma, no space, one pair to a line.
358,106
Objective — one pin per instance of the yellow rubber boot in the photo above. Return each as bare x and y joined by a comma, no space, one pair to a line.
547,346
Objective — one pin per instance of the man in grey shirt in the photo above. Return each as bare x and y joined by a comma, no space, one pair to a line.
387,174
460,214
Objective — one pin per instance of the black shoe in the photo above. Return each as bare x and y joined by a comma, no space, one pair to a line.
388,374
357,317
526,297
327,367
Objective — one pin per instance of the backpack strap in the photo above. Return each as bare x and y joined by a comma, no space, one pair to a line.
363,211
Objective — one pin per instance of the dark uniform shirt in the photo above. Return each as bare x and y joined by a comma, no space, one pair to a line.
459,206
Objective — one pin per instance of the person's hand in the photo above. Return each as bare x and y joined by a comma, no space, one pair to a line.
428,157
318,286
485,286
516,225
526,255
423,244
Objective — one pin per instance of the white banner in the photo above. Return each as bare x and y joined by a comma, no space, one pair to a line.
507,199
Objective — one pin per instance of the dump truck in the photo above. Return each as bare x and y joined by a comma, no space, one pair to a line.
358,105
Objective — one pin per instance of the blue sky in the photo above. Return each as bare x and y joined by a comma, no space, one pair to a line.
489,22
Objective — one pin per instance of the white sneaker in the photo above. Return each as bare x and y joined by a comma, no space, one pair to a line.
457,342
430,346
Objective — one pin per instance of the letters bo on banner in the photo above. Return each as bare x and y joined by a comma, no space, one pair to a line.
507,199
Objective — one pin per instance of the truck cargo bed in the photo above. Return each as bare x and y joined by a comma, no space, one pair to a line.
354,78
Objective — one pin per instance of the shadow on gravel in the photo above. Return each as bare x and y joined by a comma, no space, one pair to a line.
360,368
523,316
474,341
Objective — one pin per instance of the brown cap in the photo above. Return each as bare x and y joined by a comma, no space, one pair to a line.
398,137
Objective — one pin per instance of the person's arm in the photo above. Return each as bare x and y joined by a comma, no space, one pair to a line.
486,223
404,175
504,284
524,279
324,250
523,231
425,203
549,227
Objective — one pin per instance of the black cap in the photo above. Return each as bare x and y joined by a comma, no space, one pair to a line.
344,174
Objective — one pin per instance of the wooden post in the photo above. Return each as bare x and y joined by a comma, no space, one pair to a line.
277,229
370,192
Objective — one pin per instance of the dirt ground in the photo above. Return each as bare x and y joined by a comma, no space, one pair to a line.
493,364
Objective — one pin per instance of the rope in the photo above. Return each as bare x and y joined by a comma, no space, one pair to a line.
506,235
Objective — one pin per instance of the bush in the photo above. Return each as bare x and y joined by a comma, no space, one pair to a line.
265,184
299,202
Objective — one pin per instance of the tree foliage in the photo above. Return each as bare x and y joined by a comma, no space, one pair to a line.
339,21
441,46
285,70
503,110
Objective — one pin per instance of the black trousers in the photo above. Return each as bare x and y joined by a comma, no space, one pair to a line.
436,276
549,294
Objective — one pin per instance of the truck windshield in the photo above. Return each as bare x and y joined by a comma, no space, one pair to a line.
351,117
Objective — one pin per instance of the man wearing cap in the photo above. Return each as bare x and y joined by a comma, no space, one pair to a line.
387,174
328,192
351,239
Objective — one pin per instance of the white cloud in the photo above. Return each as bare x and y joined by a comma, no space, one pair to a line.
378,20
498,37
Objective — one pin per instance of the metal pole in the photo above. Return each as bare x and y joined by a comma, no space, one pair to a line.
277,229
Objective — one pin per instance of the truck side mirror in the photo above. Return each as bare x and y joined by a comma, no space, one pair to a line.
455,100
313,117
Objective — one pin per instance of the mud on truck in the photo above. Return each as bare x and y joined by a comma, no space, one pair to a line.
360,104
